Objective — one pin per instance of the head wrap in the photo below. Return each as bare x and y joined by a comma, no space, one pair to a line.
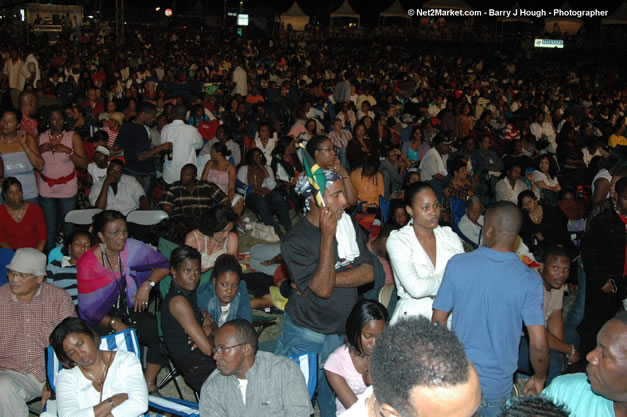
304,188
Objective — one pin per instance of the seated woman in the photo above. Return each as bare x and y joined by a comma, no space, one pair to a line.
545,179
223,174
214,236
369,183
62,272
287,167
419,252
182,322
459,187
95,382
347,367
265,198
114,281
543,226
225,297
22,224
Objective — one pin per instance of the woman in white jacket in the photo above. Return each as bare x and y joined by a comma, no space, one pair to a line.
419,253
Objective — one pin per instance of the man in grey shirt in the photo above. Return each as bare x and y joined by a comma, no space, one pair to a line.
248,383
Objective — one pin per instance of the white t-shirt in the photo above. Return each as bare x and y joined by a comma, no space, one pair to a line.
243,384
541,176
97,173
433,163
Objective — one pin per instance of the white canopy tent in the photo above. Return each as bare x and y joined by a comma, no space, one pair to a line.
395,10
295,17
565,25
513,19
345,10
619,17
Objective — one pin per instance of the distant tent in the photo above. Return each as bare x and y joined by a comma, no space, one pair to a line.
619,17
345,10
447,4
295,17
565,25
395,10
513,19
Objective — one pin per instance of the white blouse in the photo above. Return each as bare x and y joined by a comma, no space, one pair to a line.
417,279
541,176
76,396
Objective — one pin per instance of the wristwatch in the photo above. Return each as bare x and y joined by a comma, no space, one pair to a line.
151,283
110,401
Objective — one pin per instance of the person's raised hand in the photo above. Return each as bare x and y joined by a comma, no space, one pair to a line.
328,222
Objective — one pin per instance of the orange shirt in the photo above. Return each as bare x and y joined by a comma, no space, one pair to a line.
368,188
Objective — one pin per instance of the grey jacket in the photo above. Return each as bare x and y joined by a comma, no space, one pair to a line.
276,387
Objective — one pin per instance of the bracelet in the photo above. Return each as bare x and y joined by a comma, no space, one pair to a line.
112,322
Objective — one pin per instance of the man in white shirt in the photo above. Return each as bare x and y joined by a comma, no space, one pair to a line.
433,165
240,79
509,187
118,191
185,140
97,170
472,222
14,75
543,130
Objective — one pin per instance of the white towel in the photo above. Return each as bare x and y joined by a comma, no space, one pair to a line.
347,247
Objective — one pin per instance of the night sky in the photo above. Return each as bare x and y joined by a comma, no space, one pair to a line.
368,9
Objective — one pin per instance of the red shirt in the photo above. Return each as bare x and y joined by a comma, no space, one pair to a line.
25,234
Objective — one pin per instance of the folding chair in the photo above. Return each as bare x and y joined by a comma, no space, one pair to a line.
125,340
458,210
308,363
81,217
146,217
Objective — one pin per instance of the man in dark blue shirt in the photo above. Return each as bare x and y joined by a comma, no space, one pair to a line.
134,138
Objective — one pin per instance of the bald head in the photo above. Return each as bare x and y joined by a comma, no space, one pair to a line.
505,219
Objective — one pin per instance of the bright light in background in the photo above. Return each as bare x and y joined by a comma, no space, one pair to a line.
22,15
91,17
168,12
157,8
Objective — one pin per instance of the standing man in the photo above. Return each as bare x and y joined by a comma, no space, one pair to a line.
248,383
433,165
29,310
240,79
327,258
492,293
14,75
134,138
185,140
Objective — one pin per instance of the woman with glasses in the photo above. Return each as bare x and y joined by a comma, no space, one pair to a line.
114,280
325,154
187,331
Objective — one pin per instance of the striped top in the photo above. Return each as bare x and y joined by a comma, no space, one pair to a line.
62,274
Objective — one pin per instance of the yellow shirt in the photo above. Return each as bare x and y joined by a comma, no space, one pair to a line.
368,188
617,140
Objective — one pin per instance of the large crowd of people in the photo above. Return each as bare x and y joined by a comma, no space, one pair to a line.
477,188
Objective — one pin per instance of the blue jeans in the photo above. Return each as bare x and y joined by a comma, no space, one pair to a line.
295,340
491,408
54,212
147,181
575,315
556,361
264,206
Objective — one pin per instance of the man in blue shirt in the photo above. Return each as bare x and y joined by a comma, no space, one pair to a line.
602,390
491,293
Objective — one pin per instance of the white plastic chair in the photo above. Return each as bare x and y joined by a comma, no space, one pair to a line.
81,217
146,217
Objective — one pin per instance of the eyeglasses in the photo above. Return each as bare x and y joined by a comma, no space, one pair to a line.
222,349
18,274
336,149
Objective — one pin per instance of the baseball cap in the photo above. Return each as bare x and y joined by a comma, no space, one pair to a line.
28,261
103,150
441,139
